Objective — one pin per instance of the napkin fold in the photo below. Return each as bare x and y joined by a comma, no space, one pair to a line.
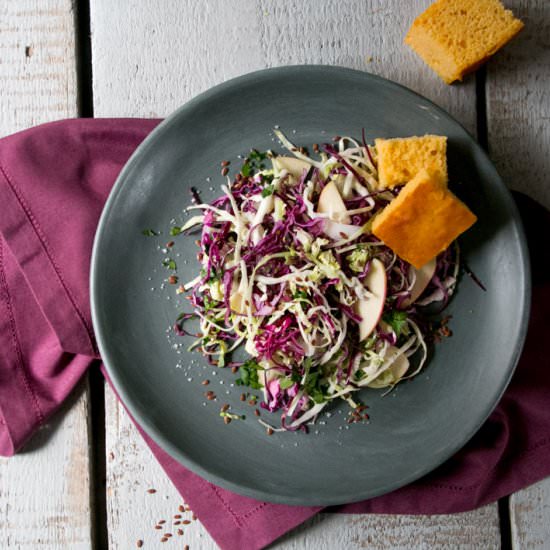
54,180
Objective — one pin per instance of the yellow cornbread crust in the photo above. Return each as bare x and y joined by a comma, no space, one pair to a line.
423,220
400,159
454,37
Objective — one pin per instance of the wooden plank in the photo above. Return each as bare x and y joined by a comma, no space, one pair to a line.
147,62
518,80
470,530
37,69
518,83
132,471
192,46
530,517
44,492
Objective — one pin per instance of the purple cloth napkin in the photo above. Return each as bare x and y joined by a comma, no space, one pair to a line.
54,180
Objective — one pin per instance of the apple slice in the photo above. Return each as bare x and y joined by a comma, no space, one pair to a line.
423,277
295,167
236,302
370,309
338,231
398,368
331,203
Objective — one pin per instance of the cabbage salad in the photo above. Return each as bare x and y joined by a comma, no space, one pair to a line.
291,272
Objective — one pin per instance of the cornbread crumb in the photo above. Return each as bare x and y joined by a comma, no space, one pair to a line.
423,220
454,37
400,159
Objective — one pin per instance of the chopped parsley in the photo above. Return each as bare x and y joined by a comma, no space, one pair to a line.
175,230
253,163
169,264
268,190
149,233
248,375
286,383
397,321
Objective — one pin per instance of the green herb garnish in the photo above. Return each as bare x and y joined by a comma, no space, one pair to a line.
253,163
149,233
268,190
397,321
170,264
248,375
285,383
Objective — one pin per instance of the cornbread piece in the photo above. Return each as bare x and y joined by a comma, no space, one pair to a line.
400,159
455,37
423,220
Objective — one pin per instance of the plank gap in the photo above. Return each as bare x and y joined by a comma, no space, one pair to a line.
481,108
98,468
83,45
504,523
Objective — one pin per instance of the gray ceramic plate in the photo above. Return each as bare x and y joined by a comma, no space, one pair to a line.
412,430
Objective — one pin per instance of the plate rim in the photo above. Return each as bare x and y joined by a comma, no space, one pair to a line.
102,339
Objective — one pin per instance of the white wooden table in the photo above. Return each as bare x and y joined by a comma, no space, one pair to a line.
82,482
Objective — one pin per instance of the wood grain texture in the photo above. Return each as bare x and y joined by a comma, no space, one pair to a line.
45,490
149,57
132,471
470,530
530,517
37,62
518,103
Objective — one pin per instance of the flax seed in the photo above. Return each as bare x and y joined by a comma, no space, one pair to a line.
225,163
139,543
162,521
173,280
205,382
242,397
177,522
181,508
269,431
151,491
225,408
179,532
225,171
234,369
226,420
186,522
257,412
170,244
